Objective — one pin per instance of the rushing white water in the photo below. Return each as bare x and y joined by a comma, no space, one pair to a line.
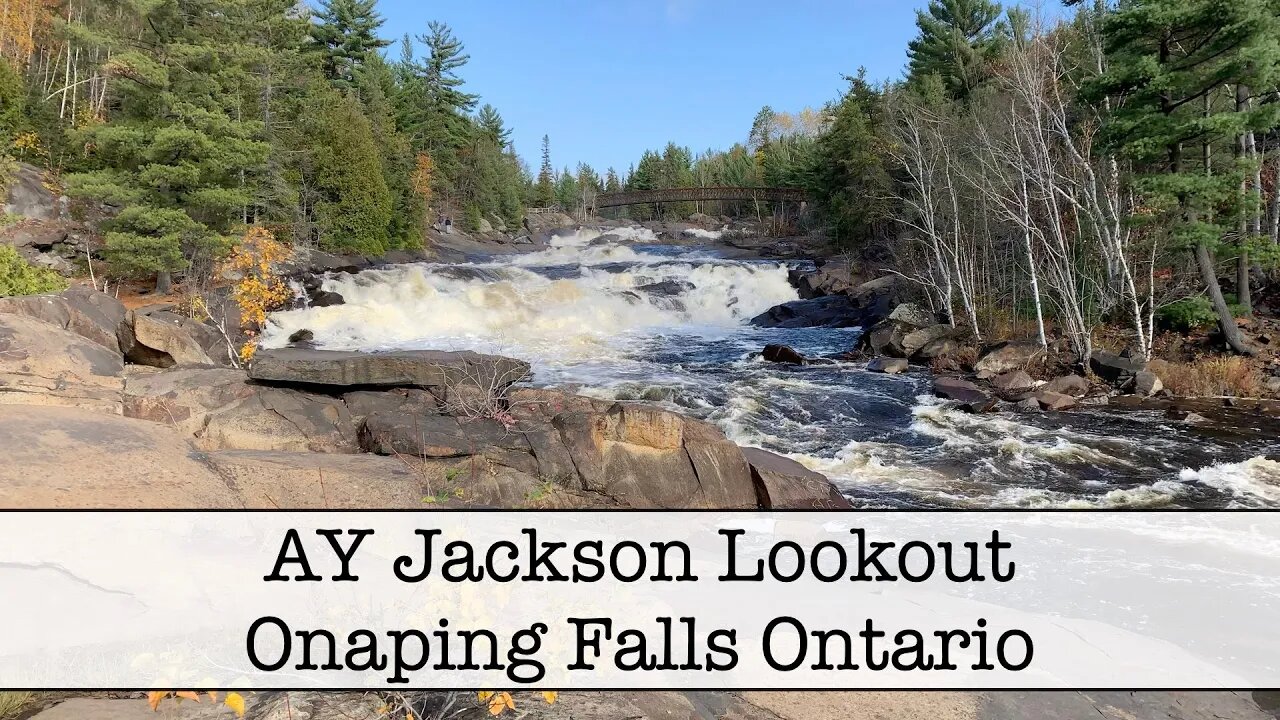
611,313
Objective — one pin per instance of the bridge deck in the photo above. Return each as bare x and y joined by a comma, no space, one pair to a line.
670,195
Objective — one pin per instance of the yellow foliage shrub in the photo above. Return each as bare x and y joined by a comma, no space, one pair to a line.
260,289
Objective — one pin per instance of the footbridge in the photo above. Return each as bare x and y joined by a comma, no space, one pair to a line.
700,194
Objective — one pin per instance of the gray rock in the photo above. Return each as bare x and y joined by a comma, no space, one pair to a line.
1272,385
1050,400
43,364
970,397
782,354
1094,401
1114,369
284,420
184,398
1028,405
783,483
915,341
1147,383
90,314
941,348
165,339
1072,385
1007,357
889,366
407,368
912,315
28,197
1013,383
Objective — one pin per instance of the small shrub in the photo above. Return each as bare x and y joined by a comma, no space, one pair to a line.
1188,314
1225,375
19,277
1194,313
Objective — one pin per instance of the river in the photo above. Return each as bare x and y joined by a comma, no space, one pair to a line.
623,316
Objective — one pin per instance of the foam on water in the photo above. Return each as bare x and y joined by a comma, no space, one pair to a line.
609,314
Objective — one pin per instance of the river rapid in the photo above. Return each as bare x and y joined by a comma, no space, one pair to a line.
621,316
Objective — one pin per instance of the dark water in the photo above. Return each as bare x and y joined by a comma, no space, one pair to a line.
580,315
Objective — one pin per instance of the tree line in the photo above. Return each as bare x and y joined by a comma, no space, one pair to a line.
191,119
1115,165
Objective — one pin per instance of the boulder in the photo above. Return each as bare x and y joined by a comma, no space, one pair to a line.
27,196
863,306
325,298
281,420
1072,385
913,316
1007,357
703,219
943,347
1114,369
644,457
1013,383
830,279
784,484
832,311
1028,405
1050,400
928,337
431,435
782,354
43,364
667,288
86,312
1147,383
59,457
435,369
889,366
165,339
970,397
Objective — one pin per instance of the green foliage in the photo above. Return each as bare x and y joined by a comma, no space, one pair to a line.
345,35
1194,313
1171,62
12,103
957,42
18,277
343,174
851,172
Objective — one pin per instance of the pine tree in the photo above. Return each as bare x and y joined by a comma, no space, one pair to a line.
375,85
545,191
957,41
345,34
490,122
177,154
433,109
1171,62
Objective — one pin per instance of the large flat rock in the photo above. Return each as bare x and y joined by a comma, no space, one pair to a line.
60,457
406,368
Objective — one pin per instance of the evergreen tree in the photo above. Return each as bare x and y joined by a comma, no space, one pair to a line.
852,181
545,191
434,110
1171,62
345,196
345,34
490,122
178,153
375,87
957,41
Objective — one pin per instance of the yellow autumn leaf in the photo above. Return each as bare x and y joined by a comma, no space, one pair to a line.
187,695
550,696
501,702
383,709
482,696
213,696
235,701
154,698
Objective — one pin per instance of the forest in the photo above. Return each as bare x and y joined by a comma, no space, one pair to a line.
1109,161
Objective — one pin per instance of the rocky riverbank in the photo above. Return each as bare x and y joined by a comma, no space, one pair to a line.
125,408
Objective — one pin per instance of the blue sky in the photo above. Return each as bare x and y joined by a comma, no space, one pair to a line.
607,79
